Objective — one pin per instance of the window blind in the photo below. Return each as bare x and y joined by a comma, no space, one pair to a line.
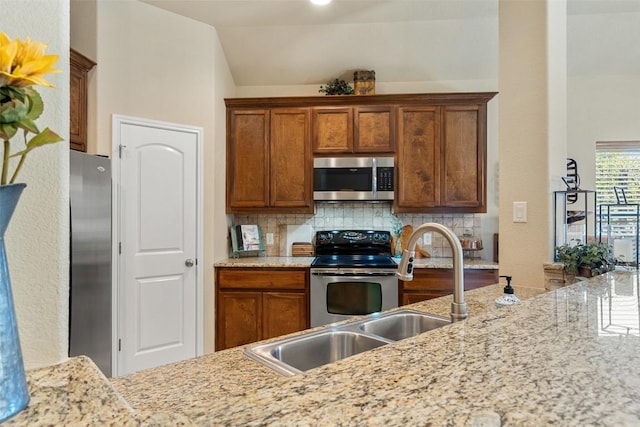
617,165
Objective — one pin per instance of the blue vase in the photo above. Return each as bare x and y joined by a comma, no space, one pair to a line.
14,395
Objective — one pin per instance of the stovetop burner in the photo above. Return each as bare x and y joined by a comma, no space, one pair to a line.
353,248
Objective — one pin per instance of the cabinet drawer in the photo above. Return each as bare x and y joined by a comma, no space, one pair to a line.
259,278
442,279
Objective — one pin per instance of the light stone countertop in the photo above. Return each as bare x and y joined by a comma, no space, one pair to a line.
570,357
550,360
303,262
76,393
266,261
559,358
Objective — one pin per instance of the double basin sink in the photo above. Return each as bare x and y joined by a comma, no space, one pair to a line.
298,354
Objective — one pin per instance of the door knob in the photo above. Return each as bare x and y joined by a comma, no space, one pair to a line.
189,263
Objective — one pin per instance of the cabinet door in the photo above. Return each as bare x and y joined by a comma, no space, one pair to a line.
332,130
290,159
283,313
418,172
79,67
374,130
238,320
247,159
463,158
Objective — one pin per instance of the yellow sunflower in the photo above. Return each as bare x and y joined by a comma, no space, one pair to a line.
24,63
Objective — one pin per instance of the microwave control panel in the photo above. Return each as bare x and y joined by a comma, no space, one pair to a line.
385,178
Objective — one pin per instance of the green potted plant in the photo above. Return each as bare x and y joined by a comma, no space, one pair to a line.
569,256
336,87
585,259
595,259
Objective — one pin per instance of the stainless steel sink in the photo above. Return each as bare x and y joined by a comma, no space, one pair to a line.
403,324
301,353
297,354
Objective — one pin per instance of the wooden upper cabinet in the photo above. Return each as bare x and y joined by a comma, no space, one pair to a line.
247,159
364,129
290,160
439,140
269,163
418,162
80,66
374,130
463,157
332,130
442,158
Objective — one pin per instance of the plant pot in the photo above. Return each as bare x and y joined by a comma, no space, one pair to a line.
14,395
584,271
569,278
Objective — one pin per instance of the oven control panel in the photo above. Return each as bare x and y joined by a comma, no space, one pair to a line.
353,237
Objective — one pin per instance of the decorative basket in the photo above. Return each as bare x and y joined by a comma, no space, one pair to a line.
364,82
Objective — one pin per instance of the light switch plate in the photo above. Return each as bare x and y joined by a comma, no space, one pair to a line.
426,238
269,239
519,211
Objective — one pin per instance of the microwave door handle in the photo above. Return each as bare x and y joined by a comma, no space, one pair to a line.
374,180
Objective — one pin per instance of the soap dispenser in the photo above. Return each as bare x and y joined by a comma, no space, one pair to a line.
508,298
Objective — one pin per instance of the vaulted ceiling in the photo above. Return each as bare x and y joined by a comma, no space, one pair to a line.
290,42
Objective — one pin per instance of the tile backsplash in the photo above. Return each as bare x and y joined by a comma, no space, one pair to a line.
360,216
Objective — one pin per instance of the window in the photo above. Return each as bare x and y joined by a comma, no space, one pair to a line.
617,165
618,183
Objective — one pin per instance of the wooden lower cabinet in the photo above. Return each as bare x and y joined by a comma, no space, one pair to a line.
254,304
283,313
429,283
237,318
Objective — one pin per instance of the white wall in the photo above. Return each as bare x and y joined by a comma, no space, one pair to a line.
601,108
37,240
528,135
217,223
158,65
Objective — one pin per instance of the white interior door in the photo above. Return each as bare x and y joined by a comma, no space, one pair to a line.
158,227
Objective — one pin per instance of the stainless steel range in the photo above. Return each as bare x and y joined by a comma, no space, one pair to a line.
353,274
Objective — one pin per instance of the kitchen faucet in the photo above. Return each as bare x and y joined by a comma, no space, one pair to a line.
405,268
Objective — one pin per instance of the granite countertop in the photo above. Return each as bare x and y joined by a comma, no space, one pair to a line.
76,393
266,261
448,263
566,357
304,262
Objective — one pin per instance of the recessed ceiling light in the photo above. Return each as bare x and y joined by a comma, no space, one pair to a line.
321,2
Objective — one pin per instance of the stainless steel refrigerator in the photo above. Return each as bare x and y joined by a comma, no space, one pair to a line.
90,259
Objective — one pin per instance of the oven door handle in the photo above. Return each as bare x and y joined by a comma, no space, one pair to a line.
351,272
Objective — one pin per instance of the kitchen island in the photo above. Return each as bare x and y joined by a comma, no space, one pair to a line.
567,357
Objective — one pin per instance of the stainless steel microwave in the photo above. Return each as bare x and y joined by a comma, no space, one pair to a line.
353,178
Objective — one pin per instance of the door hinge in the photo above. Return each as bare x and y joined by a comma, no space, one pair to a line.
119,344
120,147
119,248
